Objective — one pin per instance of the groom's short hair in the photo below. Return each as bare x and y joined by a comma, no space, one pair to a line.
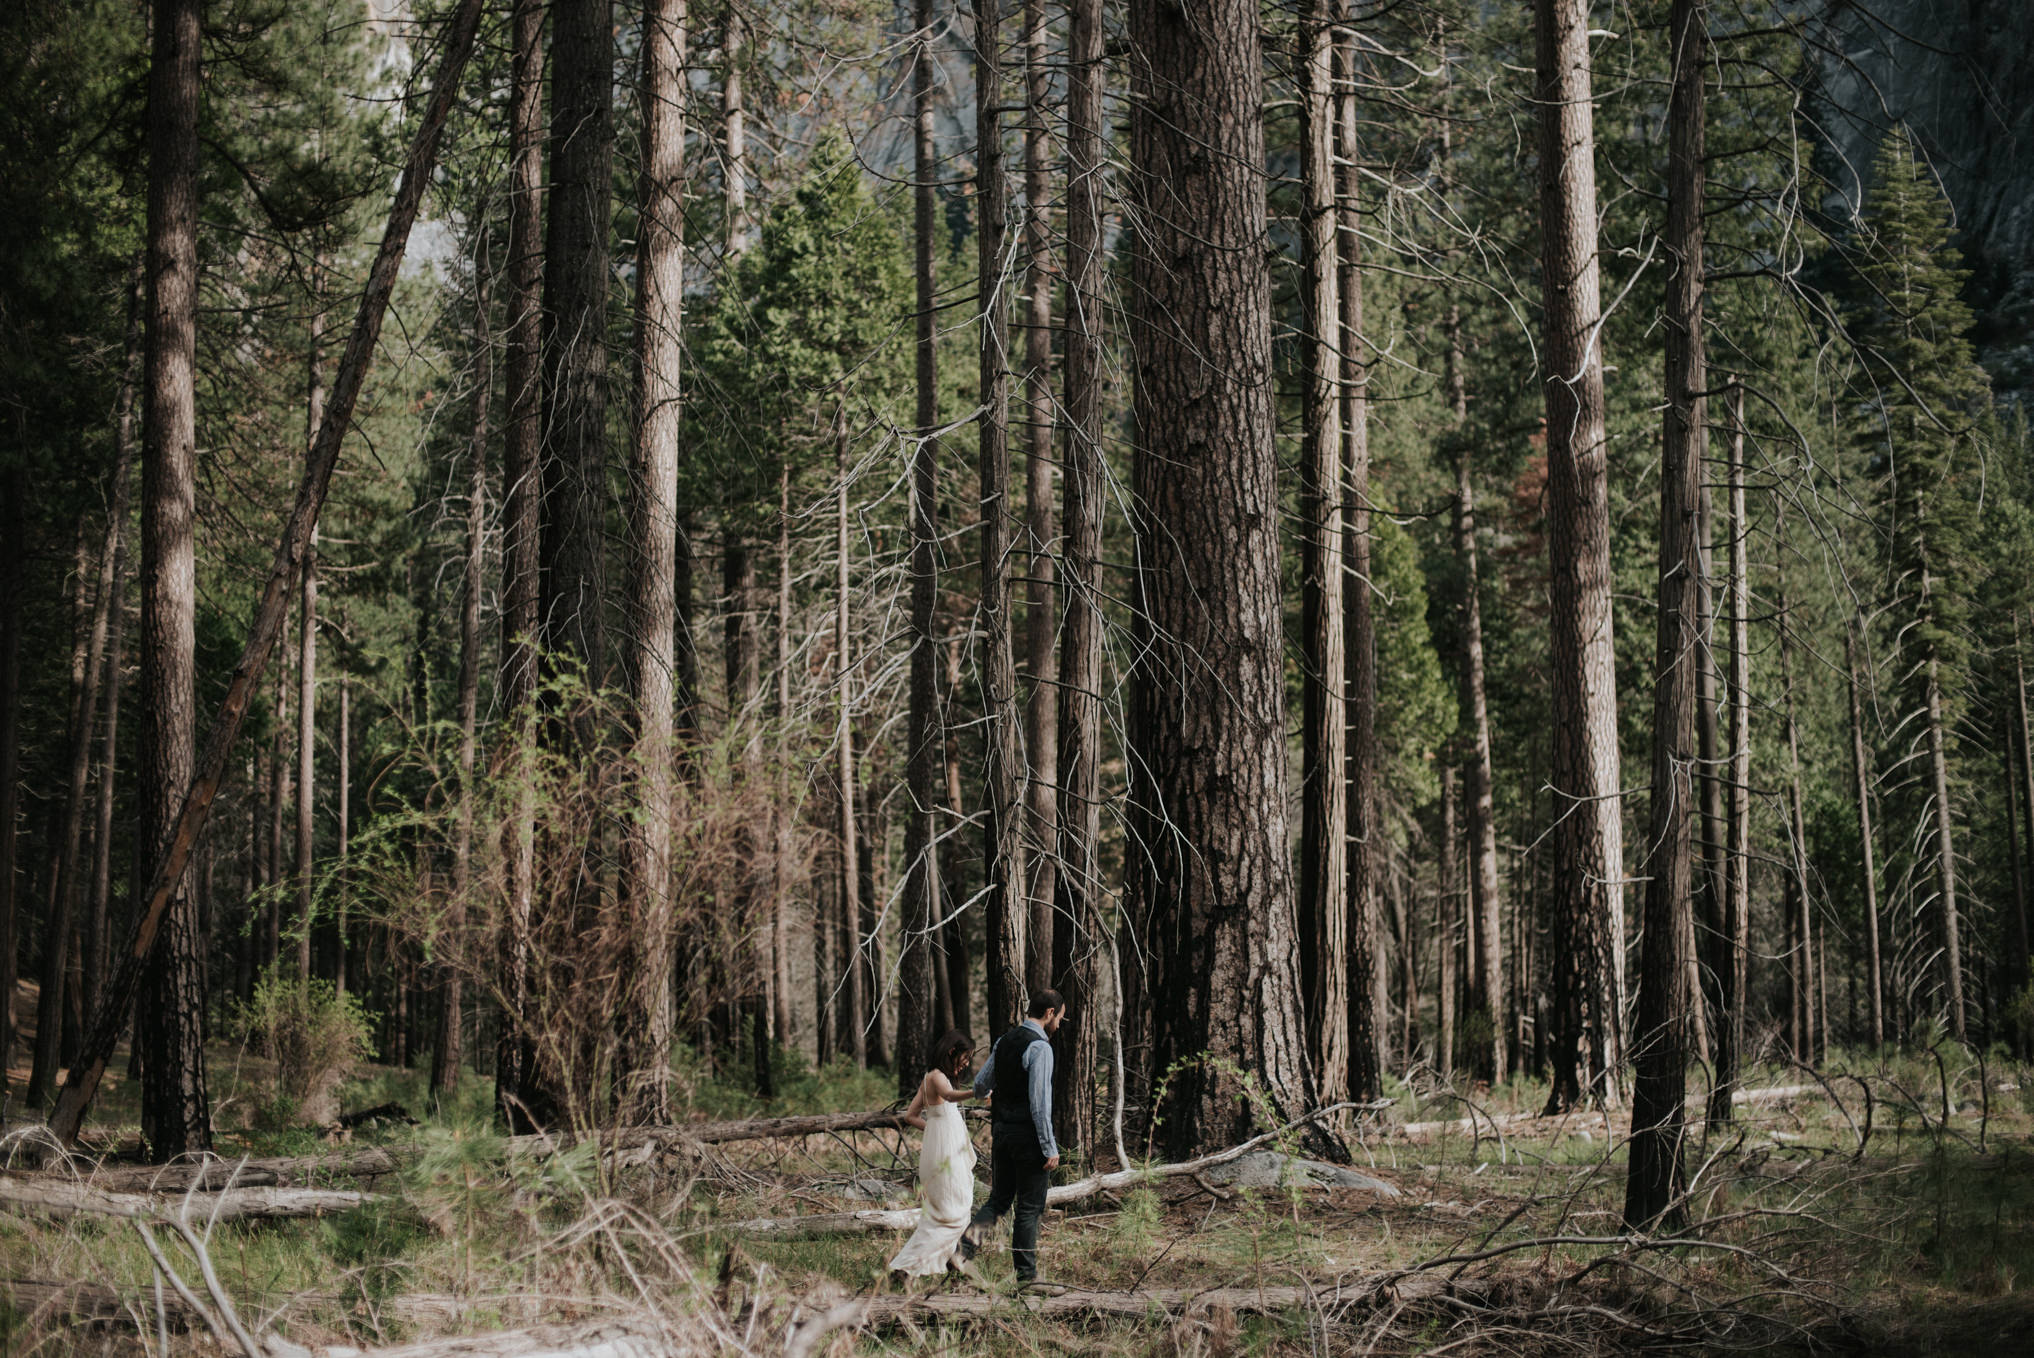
1042,1000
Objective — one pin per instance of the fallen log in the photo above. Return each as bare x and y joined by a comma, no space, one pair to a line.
294,1171
906,1218
55,1197
37,1301
631,1338
1592,1119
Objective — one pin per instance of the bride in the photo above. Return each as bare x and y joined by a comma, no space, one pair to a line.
946,1162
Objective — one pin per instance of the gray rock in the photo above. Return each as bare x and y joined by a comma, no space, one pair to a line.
1269,1169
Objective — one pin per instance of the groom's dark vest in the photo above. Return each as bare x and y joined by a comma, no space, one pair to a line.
1012,1108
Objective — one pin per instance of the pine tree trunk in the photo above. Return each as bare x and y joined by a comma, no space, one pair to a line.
780,814
175,1109
278,801
653,480
99,921
922,753
849,954
1324,807
2014,971
1487,899
13,566
1075,928
1002,841
1860,767
1946,918
1030,932
1448,931
1588,837
1209,802
445,1051
521,586
1660,1038
342,813
88,628
576,271
307,653
1369,1003
734,130
1732,975
1801,966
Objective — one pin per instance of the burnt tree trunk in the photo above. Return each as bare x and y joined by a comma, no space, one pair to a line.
1660,1040
1002,843
521,585
1077,922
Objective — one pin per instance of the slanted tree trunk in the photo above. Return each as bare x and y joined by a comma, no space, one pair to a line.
1660,1039
521,586
1801,964
307,652
451,994
1324,804
653,480
922,739
1077,923
179,1106
1860,767
1002,841
175,1108
1733,976
1208,726
1486,896
1588,836
1028,934
1369,1004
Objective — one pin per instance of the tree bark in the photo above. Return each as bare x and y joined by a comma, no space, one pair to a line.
1860,767
653,478
1946,918
1324,807
1588,837
1209,799
13,566
177,33
576,271
1656,1179
176,1112
1026,937
922,755
1369,1004
780,814
734,129
1801,964
521,587
1487,899
1733,976
1076,924
307,647
1002,841
1448,932
445,1051
844,742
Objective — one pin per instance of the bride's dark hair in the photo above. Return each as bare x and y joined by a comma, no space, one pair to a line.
951,1052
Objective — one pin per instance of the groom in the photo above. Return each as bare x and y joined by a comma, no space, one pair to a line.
1023,1152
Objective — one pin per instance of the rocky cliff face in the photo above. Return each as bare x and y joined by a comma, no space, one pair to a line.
1960,74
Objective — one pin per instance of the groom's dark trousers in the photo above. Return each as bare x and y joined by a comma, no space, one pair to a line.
1017,1147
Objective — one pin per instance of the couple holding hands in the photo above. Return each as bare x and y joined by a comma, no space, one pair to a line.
1017,1078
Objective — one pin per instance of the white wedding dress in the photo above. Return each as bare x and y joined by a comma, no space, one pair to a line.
946,1185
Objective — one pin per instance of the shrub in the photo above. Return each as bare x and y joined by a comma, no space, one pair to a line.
315,1035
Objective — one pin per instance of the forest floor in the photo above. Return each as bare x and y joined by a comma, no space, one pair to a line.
1813,1227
